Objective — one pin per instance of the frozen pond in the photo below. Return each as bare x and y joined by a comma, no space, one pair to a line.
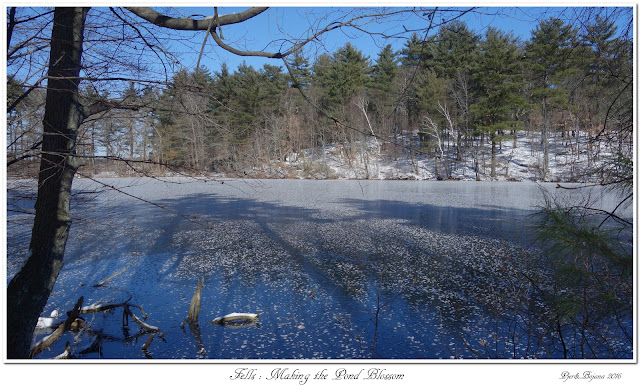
336,269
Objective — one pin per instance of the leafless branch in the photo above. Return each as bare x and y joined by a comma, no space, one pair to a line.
189,24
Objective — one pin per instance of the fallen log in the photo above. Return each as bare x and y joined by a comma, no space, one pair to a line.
142,324
48,340
145,346
97,307
235,317
74,323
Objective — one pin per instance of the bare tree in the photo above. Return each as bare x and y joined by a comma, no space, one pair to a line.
29,290
363,105
73,59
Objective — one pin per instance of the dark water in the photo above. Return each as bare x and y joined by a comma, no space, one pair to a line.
336,269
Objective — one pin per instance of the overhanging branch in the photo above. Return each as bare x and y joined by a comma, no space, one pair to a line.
216,38
188,24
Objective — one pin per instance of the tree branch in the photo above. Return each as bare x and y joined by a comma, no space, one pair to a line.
216,38
25,94
188,24
102,105
26,154
11,25
141,35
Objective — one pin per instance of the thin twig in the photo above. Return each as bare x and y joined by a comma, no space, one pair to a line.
105,281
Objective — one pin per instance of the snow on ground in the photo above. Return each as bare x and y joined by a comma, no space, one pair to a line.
569,161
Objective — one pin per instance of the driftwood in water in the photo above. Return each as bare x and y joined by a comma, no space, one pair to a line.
194,327
97,307
48,340
192,318
194,307
66,354
105,281
74,323
236,317
145,346
94,339
142,324
92,344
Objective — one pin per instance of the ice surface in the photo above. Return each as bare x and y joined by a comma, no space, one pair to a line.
311,257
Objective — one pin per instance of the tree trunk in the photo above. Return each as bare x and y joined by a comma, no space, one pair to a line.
545,137
29,290
493,155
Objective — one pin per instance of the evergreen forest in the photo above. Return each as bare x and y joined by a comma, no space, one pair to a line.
454,96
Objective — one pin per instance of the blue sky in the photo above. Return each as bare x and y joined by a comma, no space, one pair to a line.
259,32
265,28
267,31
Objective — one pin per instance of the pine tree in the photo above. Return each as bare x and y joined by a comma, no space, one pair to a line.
586,274
499,92
607,70
352,70
415,53
341,75
273,83
455,52
550,55
383,96
301,69
384,70
455,49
